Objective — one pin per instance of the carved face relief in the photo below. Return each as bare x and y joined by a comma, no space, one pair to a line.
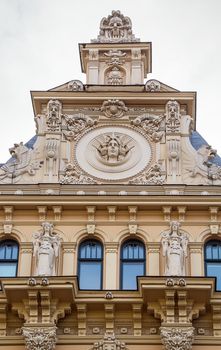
113,153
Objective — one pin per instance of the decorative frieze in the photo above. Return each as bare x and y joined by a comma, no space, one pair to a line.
40,338
151,124
153,176
74,125
177,338
72,175
109,342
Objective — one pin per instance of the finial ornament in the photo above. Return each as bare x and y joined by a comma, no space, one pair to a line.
115,28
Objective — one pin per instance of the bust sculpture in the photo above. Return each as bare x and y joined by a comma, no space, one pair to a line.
46,250
174,246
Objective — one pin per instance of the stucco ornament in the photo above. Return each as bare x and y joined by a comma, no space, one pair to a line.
114,108
115,57
53,115
72,175
174,245
173,117
23,161
116,28
152,176
46,250
75,85
115,76
153,125
109,342
152,85
73,125
113,148
42,338
177,338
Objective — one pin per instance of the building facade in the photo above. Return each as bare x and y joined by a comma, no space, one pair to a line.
109,215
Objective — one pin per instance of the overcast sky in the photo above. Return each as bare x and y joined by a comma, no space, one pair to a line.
39,50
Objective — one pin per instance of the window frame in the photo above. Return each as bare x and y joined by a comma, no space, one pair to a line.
123,260
2,261
99,260
207,261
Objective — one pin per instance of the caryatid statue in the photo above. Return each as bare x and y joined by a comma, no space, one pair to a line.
46,250
174,244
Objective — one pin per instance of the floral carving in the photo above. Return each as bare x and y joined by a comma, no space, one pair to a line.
172,117
114,108
153,176
151,124
116,28
115,77
75,85
75,124
74,176
23,161
179,338
109,342
152,86
42,338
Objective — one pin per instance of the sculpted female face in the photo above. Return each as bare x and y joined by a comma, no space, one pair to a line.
113,149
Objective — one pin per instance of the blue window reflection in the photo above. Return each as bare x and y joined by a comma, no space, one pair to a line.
132,263
8,258
213,261
90,264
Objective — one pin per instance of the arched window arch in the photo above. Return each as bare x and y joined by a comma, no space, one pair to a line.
8,258
213,260
90,264
132,263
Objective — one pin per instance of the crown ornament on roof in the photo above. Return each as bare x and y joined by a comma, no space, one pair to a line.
116,28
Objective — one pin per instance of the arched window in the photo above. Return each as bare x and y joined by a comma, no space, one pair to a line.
132,263
90,265
8,258
213,260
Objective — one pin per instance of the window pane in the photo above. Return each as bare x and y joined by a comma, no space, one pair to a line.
90,275
8,269
129,273
214,270
132,251
208,252
214,251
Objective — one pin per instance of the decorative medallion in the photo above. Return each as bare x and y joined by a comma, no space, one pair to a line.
113,153
114,108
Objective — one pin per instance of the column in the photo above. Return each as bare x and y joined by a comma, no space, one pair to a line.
25,259
111,266
196,259
153,263
68,263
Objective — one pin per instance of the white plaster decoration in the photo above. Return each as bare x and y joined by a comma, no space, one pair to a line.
173,117
115,28
75,85
114,108
53,115
177,338
51,155
91,229
40,338
152,176
109,342
174,156
174,245
214,229
23,161
152,85
113,153
115,76
72,175
46,250
115,57
73,125
153,125
132,228
7,228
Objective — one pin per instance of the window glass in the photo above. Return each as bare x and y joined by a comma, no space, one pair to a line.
132,263
213,261
8,258
90,264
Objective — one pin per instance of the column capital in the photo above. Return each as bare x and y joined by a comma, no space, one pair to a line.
40,337
177,338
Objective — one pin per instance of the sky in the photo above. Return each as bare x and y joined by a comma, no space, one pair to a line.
39,50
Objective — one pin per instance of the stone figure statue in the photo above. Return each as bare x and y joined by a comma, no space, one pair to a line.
46,250
174,244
